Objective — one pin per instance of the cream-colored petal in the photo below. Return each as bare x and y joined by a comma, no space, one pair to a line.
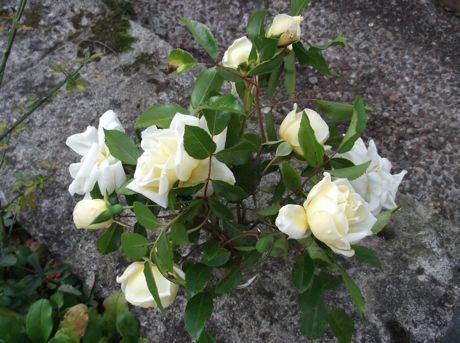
81,143
292,220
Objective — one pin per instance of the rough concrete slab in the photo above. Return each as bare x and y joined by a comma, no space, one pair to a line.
403,57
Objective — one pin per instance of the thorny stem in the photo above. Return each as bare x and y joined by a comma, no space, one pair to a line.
11,37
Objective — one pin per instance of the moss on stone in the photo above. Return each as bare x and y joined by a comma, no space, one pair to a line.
109,33
149,60
32,18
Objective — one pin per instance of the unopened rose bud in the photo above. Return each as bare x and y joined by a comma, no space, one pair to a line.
285,27
237,53
136,291
86,211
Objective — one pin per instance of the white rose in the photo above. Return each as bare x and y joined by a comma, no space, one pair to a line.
286,27
237,53
289,128
165,161
134,285
96,165
86,211
377,186
337,215
292,220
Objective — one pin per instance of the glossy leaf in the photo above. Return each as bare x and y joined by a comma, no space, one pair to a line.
207,81
230,192
365,254
110,240
350,173
273,80
238,154
145,216
217,121
383,218
270,211
266,67
214,255
290,177
297,6
159,115
152,286
134,245
313,58
289,73
284,149
339,40
256,23
121,146
302,272
356,127
219,209
342,325
181,61
314,315
226,103
164,251
196,278
197,142
229,281
264,244
197,312
339,111
354,291
39,321
313,151
204,36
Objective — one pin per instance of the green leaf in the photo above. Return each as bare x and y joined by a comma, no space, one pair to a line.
314,315
164,252
134,245
354,291
187,190
229,74
339,163
207,81
329,281
206,338
39,321
365,254
197,312
8,260
238,154
197,142
152,286
270,211
267,66
264,244
229,281
290,177
297,6
280,247
226,103
110,240
313,58
144,216
230,192
339,111
313,151
356,127
284,149
190,212
270,127
273,81
339,40
350,173
128,327
178,234
159,115
266,47
383,218
115,303
219,209
342,325
203,35
256,24
302,272
196,278
217,121
214,255
289,74
181,60
121,146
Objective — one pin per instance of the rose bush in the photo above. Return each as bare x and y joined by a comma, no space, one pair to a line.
185,207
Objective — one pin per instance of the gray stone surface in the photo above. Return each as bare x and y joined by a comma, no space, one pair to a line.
403,57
